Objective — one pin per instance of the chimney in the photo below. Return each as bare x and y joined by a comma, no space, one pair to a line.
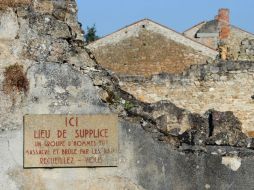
224,23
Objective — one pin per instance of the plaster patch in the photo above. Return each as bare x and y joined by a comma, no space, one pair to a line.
233,163
8,25
207,186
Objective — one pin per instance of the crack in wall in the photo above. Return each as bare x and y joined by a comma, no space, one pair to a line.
210,126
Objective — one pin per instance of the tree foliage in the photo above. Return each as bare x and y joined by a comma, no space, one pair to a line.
91,35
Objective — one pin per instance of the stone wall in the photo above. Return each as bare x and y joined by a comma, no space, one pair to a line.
246,49
147,54
45,69
13,3
144,164
226,86
234,41
147,48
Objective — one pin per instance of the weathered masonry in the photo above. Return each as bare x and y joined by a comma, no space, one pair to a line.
146,48
200,139
219,32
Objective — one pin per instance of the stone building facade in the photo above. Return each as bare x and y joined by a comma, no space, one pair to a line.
146,48
220,32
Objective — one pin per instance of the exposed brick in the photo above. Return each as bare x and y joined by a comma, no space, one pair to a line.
223,15
224,23
224,32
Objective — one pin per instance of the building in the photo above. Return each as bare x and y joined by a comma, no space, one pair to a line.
219,32
146,48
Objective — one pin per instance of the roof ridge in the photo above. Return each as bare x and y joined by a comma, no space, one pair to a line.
181,34
214,19
147,19
194,26
242,29
124,27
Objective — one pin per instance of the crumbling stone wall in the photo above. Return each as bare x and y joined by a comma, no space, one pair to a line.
13,3
46,70
234,42
226,86
27,37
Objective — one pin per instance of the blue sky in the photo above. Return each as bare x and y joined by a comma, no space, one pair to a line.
110,15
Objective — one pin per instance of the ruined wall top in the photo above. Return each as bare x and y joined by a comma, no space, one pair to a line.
13,3
55,7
